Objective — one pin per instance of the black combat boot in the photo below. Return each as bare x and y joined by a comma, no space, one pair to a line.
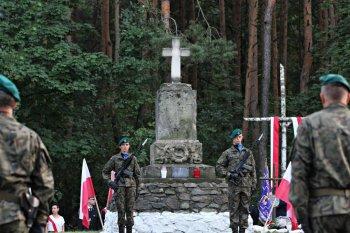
128,229
121,228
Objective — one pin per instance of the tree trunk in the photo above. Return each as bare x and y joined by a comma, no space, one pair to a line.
182,15
192,13
307,61
251,88
237,31
275,67
222,18
266,71
117,30
106,39
166,14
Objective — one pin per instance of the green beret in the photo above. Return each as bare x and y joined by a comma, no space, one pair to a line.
235,133
334,79
9,87
122,139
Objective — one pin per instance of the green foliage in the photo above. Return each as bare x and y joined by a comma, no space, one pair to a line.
78,99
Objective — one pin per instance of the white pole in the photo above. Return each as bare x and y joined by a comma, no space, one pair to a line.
283,124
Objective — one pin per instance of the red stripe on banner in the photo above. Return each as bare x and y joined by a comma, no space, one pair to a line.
276,146
53,224
88,191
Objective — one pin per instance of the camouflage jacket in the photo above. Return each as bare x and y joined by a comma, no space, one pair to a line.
321,159
115,163
230,159
24,163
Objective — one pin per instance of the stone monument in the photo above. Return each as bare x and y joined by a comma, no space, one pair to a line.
177,150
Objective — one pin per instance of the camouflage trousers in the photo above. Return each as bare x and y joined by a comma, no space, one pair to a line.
238,201
125,199
18,226
331,224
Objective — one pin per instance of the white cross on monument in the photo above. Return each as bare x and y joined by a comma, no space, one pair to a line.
175,53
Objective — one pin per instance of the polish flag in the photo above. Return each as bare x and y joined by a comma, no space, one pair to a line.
86,191
283,189
282,193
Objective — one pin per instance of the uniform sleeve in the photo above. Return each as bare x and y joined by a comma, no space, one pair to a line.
106,171
301,165
137,172
253,173
42,185
221,165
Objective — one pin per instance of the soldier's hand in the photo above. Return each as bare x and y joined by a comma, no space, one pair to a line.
112,185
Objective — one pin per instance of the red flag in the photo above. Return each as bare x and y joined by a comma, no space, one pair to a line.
275,147
86,191
282,193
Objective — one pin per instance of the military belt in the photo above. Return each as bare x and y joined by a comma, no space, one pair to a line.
5,196
330,192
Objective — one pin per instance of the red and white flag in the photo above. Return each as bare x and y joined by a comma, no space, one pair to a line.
282,193
283,189
86,191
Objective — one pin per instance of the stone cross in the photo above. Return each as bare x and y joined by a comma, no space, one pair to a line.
176,53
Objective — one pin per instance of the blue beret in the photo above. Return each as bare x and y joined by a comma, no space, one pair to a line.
235,133
9,87
334,79
122,139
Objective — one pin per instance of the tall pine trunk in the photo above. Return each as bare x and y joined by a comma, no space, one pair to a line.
251,87
117,29
266,72
307,60
106,39
166,14
275,67
237,31
222,18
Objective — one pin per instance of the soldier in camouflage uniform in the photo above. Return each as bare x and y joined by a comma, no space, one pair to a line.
320,186
126,190
24,164
239,193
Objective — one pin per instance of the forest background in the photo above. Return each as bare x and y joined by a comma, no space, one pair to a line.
88,71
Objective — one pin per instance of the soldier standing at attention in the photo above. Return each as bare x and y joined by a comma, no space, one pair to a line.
320,186
240,186
126,189
25,176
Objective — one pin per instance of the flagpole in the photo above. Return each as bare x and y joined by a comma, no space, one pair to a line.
98,211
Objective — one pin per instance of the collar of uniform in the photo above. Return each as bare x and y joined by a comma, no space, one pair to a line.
7,117
119,156
235,149
336,105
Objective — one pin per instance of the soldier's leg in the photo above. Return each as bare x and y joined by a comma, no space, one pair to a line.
130,196
243,208
331,224
120,200
14,227
233,202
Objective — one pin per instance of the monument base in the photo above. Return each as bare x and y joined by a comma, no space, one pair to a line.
187,194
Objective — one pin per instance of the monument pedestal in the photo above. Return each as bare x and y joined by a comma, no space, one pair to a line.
182,195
